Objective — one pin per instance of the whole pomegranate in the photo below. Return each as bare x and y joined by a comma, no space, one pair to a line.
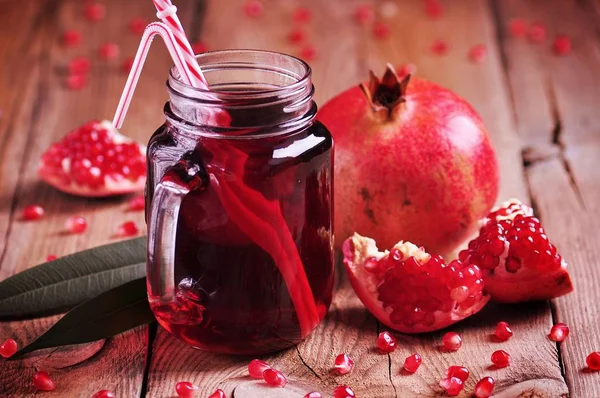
412,162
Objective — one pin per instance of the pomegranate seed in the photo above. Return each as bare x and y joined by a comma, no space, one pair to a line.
274,378
343,364
79,65
453,386
439,47
51,257
109,51
477,53
137,25
412,363
433,9
94,12
313,394
32,212
256,368
71,38
76,82
43,382
128,228
503,331
217,394
253,8
451,341
593,361
104,394
388,9
406,69
76,224
517,27
559,332
537,33
484,387
8,348
308,52
185,389
302,15
364,14
343,392
457,371
562,45
296,36
381,30
199,47
127,65
500,358
386,342
138,203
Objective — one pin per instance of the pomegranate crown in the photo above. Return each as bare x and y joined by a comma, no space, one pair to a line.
387,92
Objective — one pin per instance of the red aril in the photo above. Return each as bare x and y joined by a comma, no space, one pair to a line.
109,51
218,394
185,389
79,66
76,82
386,342
253,8
127,65
503,331
364,14
32,213
137,25
439,47
302,15
593,361
256,368
517,27
452,385
313,394
343,392
381,30
343,364
51,257
308,52
500,358
412,363
138,203
424,136
451,341
128,228
104,394
94,12
76,225
8,348
43,382
559,332
410,290
562,45
296,35
516,258
71,38
274,378
457,371
484,387
199,47
433,9
537,33
406,69
477,53
95,160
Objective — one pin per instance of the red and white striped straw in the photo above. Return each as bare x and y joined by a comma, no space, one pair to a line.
167,13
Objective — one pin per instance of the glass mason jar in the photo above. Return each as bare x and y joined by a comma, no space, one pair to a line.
240,240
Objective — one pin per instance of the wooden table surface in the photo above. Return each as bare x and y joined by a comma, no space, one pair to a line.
540,109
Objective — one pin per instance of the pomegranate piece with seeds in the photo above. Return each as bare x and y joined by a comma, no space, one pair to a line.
94,12
559,332
386,342
109,51
8,348
104,394
451,341
95,160
500,358
457,371
484,388
517,260
562,45
256,368
503,331
43,382
138,203
593,361
274,378
128,228
343,392
412,363
32,213
218,394
76,224
71,38
343,364
452,385
185,389
410,290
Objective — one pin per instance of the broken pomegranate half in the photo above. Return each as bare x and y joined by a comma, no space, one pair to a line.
95,160
516,258
410,290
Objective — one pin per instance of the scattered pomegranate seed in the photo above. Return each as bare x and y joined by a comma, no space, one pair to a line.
128,228
313,394
406,69
451,341
51,257
253,8
296,36
104,394
71,38
79,66
42,381
593,360
439,47
433,9
308,52
109,50
364,14
8,348
501,358
412,363
381,30
76,224
503,331
274,378
127,65
386,342
484,387
137,25
76,82
256,368
218,394
517,27
477,53
537,33
562,45
94,12
388,9
302,15
185,389
32,212
138,203
199,47
452,385
559,332
344,364
457,371
343,392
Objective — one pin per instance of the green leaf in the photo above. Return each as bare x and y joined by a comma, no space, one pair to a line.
115,311
70,280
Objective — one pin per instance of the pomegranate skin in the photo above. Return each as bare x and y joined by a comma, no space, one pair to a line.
426,172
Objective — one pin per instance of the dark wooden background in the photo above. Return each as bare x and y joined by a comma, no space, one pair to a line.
541,111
